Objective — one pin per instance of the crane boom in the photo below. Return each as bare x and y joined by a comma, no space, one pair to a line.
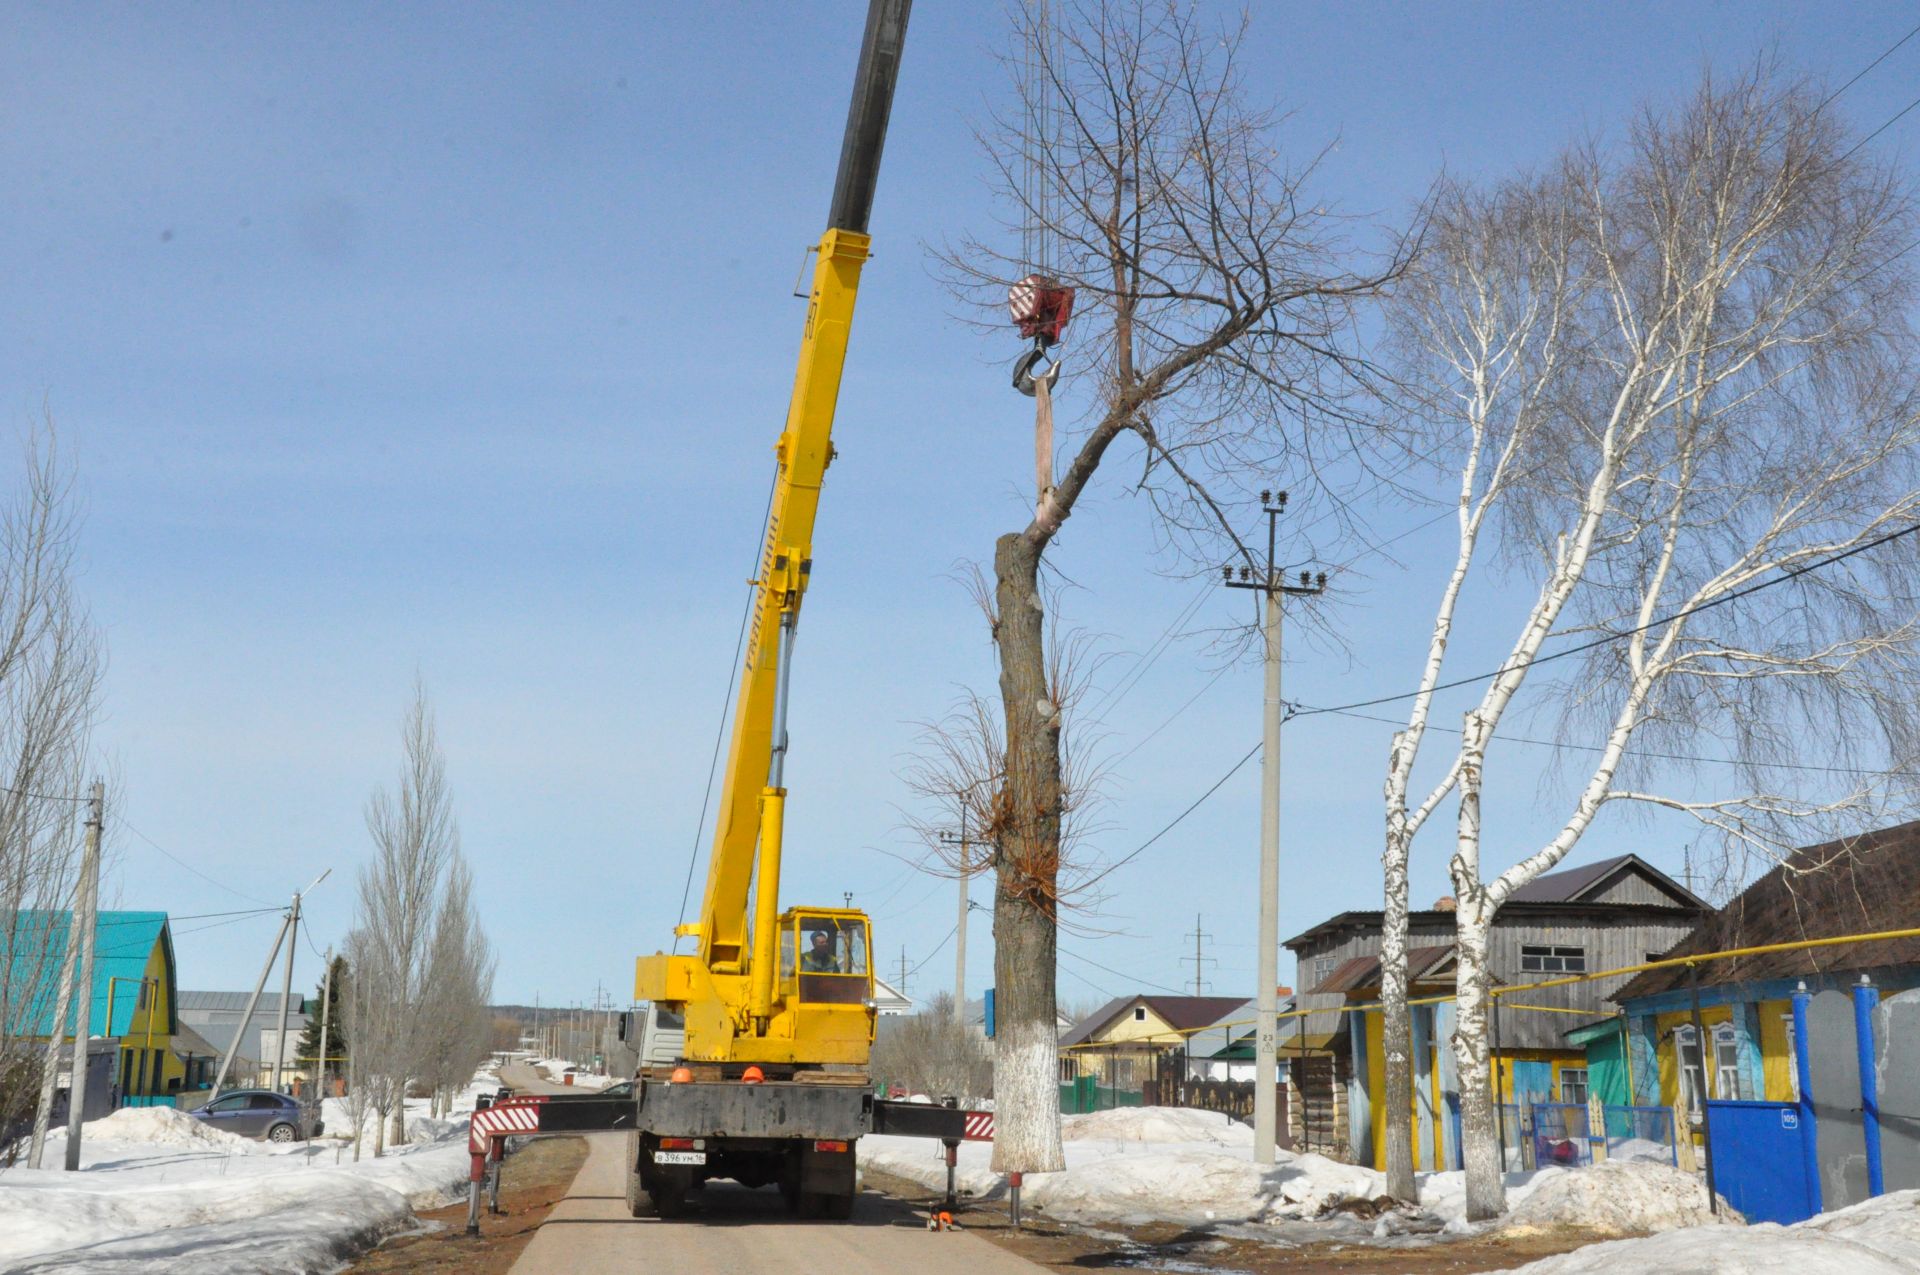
804,451
745,996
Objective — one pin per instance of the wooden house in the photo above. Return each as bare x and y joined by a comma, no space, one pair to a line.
1604,915
1868,884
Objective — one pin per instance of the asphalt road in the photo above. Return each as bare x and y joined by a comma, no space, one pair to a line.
524,1079
733,1231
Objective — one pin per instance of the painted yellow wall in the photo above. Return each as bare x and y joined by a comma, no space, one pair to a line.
146,1043
1377,1084
1776,1057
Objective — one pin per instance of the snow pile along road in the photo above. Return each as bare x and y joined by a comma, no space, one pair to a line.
1879,1237
1160,1164
163,1126
160,1192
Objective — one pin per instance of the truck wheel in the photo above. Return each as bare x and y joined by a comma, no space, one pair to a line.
639,1203
670,1191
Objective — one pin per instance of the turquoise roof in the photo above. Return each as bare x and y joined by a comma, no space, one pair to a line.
34,951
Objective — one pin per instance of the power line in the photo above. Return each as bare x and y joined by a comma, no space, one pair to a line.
1894,119
1158,987
179,862
726,704
1863,70
1599,748
1347,709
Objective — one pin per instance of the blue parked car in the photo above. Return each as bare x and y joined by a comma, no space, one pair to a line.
262,1113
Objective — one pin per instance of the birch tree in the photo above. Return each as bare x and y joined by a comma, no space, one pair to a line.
1674,380
1211,306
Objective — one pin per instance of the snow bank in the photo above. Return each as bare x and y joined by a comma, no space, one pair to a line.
1146,1163
1614,1197
164,1126
1156,1124
1879,1237
159,1191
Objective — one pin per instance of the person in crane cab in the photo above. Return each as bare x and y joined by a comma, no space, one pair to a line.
819,957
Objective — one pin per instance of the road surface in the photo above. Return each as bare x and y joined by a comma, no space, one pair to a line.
522,1078
733,1231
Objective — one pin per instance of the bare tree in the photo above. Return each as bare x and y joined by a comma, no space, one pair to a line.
934,1052
51,662
457,1024
1676,382
1210,305
416,843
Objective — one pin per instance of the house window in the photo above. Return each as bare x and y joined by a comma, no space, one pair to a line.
1322,970
1069,1069
1726,1064
1139,1013
1553,960
1573,1085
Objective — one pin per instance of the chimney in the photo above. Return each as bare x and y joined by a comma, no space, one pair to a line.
1444,903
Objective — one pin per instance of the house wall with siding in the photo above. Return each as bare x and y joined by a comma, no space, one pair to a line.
1609,943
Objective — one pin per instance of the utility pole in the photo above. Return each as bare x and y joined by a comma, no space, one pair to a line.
1266,1065
84,924
286,980
964,844
1198,958
903,969
246,1015
326,1009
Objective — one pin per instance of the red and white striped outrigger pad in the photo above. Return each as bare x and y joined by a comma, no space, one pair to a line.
979,1126
509,1116
1040,307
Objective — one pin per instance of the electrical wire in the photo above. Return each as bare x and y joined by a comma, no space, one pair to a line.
726,708
1790,573
1294,712
1158,987
214,925
182,863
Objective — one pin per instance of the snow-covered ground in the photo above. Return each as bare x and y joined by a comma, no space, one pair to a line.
1879,1237
1141,1164
159,1191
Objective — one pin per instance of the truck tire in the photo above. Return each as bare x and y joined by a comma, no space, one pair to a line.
639,1203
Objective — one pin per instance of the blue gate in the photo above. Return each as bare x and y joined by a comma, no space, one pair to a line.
1763,1178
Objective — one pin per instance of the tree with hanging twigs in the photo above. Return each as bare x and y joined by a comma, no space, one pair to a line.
1672,385
1210,346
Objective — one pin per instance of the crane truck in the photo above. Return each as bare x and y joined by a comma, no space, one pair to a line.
777,1006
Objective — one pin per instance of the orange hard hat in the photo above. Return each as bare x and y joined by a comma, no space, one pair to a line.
681,1076
752,1076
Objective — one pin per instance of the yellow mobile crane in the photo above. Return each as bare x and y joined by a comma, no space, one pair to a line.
771,1083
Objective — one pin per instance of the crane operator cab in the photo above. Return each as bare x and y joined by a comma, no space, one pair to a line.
824,958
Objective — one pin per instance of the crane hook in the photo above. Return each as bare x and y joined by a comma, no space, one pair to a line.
1025,378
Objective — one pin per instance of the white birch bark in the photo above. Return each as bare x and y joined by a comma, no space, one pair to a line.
1724,396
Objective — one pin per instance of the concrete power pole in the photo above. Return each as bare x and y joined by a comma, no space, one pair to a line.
286,993
964,845
1266,1064
326,1007
83,924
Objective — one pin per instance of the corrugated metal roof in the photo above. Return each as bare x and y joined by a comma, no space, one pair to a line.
1364,971
236,1002
1858,885
35,949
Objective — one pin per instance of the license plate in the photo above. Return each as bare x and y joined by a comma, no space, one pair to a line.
679,1157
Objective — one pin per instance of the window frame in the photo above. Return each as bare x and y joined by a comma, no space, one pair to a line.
1584,1080
1553,958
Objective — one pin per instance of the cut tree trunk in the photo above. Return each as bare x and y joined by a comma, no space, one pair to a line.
1027,867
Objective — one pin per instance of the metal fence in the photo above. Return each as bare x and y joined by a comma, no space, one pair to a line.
1087,1094
1544,1135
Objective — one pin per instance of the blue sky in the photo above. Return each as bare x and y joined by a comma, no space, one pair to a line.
454,338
